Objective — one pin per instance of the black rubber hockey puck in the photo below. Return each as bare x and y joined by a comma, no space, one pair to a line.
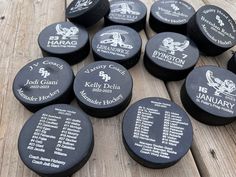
66,41
117,43
232,64
213,30
56,141
156,132
170,56
209,95
43,82
130,13
170,15
103,89
87,12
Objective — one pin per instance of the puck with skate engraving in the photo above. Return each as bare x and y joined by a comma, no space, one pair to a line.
56,141
43,82
170,15
103,89
170,56
87,12
130,13
209,95
66,41
156,132
117,43
213,30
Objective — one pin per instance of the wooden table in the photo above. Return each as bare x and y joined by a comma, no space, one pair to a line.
213,152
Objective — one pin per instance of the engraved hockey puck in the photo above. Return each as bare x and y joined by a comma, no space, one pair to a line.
66,41
103,89
232,64
87,12
43,82
213,30
156,132
56,141
117,43
209,95
130,13
170,56
170,15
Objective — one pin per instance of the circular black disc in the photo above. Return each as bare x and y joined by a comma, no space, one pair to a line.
66,41
171,15
43,82
56,141
130,13
170,56
213,30
103,89
232,64
87,12
209,95
156,132
117,43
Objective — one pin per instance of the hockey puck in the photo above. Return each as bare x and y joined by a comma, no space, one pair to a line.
56,141
103,89
213,30
87,12
43,82
209,95
66,41
156,132
232,64
170,56
170,15
130,13
117,43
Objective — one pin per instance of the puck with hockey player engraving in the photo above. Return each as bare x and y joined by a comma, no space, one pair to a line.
87,12
170,15
103,89
66,41
117,43
170,56
156,132
213,30
130,13
209,95
56,141
43,82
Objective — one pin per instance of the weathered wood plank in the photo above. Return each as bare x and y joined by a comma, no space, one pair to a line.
209,145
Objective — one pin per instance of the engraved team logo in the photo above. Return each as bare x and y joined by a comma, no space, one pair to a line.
221,23
81,5
116,39
226,87
174,7
44,73
169,45
67,33
124,8
104,76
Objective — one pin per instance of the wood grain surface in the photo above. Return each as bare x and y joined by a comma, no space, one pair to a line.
213,153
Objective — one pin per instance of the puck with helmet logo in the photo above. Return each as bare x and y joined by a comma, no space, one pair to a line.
171,15
213,30
43,82
156,132
117,43
87,12
130,13
170,56
209,95
103,89
56,141
66,41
